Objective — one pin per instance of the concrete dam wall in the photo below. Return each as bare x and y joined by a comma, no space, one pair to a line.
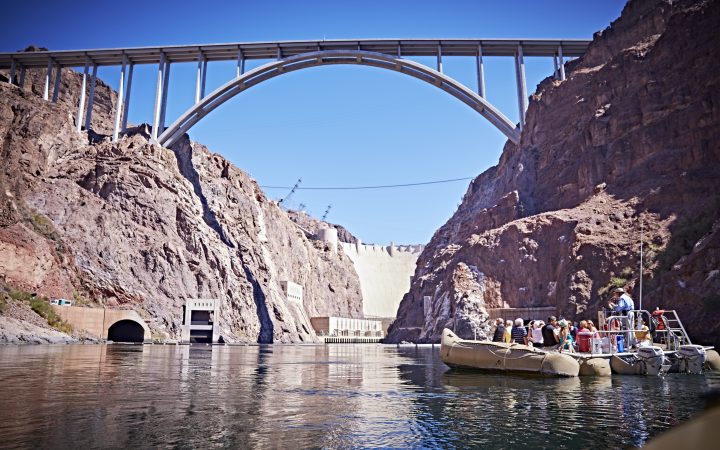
385,273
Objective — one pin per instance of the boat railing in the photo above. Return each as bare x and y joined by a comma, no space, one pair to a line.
669,329
664,326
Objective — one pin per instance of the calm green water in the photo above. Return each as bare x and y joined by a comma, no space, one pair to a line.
335,396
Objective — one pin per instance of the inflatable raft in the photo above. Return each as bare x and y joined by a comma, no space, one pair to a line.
502,357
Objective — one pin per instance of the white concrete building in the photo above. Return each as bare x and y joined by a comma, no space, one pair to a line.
293,291
347,327
200,321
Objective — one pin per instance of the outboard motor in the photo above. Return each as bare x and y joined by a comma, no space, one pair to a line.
652,360
691,358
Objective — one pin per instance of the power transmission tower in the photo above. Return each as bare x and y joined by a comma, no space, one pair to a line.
292,191
326,213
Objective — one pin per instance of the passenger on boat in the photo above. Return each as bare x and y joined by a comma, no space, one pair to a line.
593,329
623,305
584,327
519,333
536,333
550,333
621,302
566,340
583,337
573,330
528,329
508,332
499,330
644,338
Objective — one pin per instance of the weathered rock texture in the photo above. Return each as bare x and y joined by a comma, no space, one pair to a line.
136,225
632,135
312,225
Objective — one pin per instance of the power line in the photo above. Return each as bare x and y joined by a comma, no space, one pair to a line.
384,186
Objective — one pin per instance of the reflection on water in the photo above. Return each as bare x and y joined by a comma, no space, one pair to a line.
316,396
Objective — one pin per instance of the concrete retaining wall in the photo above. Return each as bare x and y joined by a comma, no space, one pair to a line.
97,321
533,313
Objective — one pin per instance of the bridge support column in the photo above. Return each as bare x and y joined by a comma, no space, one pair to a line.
21,82
204,77
91,98
439,58
200,79
12,72
119,106
240,64
166,82
480,72
521,85
158,97
81,102
556,70
56,87
46,91
126,105
561,62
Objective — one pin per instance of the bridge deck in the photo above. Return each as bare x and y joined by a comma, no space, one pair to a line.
271,50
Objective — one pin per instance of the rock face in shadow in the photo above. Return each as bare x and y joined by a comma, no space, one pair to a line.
630,137
136,225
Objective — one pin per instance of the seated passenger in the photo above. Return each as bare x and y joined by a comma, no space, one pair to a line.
584,327
583,337
550,333
644,338
536,332
508,332
593,330
499,331
519,333
566,340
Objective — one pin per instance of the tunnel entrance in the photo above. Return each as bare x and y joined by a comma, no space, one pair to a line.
126,331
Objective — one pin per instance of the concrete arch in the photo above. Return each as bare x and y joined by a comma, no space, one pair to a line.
331,57
126,330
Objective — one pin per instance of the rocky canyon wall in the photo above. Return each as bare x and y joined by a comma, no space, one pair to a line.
136,225
630,139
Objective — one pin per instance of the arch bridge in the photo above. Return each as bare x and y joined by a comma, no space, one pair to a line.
285,57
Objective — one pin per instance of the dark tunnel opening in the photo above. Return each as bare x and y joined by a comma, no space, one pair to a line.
126,331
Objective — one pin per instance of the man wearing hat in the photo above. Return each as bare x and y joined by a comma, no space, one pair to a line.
621,302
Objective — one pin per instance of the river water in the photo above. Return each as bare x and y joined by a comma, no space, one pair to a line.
324,396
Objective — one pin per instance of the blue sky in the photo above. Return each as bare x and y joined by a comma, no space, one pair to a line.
330,126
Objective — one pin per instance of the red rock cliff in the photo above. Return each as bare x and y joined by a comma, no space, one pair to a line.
632,135
136,225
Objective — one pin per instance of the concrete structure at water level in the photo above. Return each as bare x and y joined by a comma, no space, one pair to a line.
200,321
